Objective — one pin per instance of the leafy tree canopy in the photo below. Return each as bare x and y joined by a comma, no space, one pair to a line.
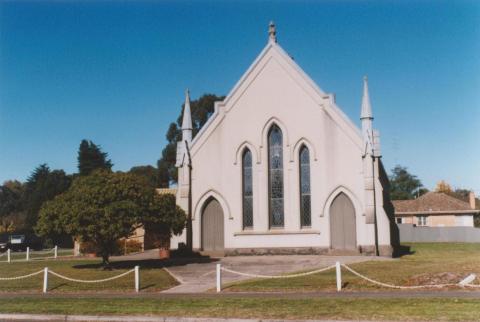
91,157
11,207
404,185
201,110
164,219
149,173
42,185
11,193
101,208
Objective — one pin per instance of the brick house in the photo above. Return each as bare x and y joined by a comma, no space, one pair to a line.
435,209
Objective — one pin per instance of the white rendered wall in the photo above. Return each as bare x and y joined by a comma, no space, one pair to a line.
274,91
464,220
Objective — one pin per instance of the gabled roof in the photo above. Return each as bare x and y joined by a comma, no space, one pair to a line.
432,203
324,100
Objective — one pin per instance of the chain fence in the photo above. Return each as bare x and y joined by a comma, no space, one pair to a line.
29,255
466,282
277,276
91,281
45,271
20,277
397,286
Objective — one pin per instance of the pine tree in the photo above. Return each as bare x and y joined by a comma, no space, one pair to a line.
42,185
91,157
404,185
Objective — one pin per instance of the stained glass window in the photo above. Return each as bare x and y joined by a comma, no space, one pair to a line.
247,192
305,196
275,176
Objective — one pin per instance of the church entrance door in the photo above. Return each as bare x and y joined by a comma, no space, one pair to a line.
212,227
342,223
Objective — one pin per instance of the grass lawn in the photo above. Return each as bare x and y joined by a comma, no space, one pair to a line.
318,308
152,276
426,261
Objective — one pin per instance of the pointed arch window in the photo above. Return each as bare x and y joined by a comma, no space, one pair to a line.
275,176
247,189
305,195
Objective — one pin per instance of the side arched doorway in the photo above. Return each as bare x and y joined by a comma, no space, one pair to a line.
212,226
343,232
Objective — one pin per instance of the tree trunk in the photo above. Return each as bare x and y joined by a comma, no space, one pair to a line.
105,261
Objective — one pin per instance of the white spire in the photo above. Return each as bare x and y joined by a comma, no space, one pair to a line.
187,120
272,32
366,107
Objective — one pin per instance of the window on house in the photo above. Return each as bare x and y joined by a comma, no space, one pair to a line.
399,220
305,195
247,191
421,220
275,176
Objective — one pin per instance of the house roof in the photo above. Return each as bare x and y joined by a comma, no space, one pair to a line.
432,203
163,191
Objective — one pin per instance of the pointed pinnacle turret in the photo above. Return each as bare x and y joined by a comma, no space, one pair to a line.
272,32
366,106
187,119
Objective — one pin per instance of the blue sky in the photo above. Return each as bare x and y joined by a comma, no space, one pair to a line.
115,73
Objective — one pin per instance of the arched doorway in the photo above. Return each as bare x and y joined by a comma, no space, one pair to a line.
343,230
212,226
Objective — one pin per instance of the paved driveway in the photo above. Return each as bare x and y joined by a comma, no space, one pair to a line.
200,277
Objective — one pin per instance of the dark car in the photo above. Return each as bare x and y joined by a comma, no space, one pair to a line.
3,246
17,243
3,242
20,242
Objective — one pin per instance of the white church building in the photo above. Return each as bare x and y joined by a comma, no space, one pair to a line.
279,168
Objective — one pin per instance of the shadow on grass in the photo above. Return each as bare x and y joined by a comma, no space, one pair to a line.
402,250
142,288
57,286
149,263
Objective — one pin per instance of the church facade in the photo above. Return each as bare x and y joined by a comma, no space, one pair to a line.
279,168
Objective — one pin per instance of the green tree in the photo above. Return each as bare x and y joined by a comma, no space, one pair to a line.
42,185
201,110
148,172
91,157
404,185
100,208
163,220
12,216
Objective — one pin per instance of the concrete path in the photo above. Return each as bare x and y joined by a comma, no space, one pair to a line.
200,277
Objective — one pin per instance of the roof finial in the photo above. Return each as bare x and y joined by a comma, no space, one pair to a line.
187,119
272,33
366,106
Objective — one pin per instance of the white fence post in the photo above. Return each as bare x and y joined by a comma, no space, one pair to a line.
8,255
219,278
339,276
137,279
28,254
45,279
55,252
